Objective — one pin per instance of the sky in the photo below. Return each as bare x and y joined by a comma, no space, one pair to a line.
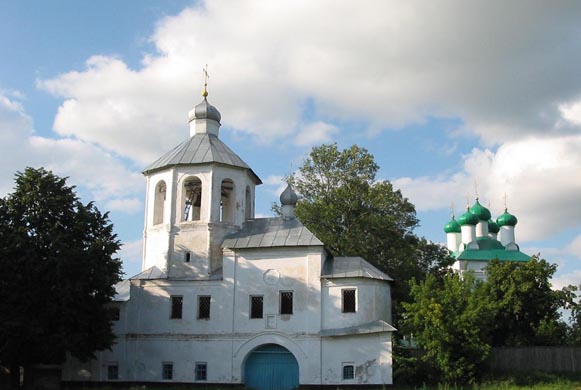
453,98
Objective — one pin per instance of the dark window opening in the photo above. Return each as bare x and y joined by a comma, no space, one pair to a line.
114,313
349,301
256,306
348,372
167,371
204,306
286,302
188,257
201,371
112,372
176,307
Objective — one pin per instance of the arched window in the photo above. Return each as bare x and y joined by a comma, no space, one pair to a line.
192,199
248,205
227,201
159,202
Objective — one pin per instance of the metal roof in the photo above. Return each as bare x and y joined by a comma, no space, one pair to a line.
200,149
370,327
122,288
271,232
351,267
489,249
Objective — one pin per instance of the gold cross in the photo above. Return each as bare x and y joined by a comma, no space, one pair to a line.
206,77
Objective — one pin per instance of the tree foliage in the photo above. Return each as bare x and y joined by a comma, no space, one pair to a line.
527,308
456,320
449,318
58,272
344,205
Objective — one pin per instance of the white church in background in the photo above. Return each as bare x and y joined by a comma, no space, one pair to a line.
226,298
473,240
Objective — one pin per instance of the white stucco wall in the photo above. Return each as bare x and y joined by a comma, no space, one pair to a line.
370,354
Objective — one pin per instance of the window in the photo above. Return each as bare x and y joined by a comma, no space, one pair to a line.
176,307
192,199
256,306
349,300
201,371
159,203
112,371
167,371
204,306
348,371
114,313
286,302
227,201
188,257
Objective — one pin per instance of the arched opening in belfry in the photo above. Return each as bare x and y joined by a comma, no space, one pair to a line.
227,201
248,204
192,194
159,202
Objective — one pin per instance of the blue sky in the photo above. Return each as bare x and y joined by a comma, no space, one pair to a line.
443,95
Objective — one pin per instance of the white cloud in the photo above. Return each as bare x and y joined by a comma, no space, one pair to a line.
126,205
315,133
131,254
575,247
571,112
572,278
505,69
91,168
541,177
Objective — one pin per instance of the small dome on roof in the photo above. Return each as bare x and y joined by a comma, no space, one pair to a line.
288,197
506,219
480,211
493,227
452,227
205,110
468,218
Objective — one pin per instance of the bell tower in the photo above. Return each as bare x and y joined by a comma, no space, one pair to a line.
196,194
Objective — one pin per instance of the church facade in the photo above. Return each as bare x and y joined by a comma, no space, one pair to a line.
227,298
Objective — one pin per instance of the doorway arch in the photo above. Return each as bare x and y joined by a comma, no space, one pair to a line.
271,367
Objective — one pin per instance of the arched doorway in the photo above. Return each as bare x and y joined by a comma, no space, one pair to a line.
271,367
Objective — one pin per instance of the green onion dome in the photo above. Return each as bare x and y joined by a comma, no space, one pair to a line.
480,211
468,218
506,219
493,227
452,227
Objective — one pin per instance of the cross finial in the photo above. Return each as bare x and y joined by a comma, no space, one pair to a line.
452,208
476,189
467,200
206,77
505,202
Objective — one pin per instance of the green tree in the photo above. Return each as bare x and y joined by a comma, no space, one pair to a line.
355,215
450,319
528,309
58,272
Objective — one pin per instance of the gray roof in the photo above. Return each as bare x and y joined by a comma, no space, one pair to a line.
271,232
122,288
200,149
370,327
351,267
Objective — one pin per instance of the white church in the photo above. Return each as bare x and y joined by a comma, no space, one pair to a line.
228,299
475,239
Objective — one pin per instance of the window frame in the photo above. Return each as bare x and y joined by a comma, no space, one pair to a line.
173,314
280,302
347,366
167,368
251,311
110,366
197,371
208,315
343,291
